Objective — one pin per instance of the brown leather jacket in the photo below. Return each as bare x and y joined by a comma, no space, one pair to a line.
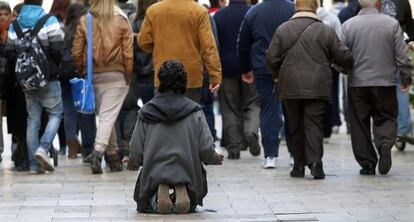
112,47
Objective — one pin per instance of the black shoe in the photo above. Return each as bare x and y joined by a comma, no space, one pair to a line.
96,162
317,171
87,158
114,163
298,171
253,142
368,170
233,155
385,162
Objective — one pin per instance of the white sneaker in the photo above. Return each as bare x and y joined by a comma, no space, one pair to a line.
291,161
270,163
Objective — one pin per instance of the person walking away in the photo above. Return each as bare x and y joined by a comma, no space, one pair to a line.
192,42
337,6
379,50
127,8
73,120
332,118
5,19
300,57
401,10
238,100
174,162
112,72
46,97
257,29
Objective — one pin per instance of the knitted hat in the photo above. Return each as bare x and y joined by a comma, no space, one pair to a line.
307,5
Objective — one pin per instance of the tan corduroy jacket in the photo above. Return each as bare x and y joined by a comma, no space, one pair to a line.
112,46
181,30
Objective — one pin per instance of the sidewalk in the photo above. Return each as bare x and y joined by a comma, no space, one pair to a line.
238,191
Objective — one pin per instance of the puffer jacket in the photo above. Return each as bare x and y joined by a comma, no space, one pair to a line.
304,72
112,46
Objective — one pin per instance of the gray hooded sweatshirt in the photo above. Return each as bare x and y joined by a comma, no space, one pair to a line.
171,140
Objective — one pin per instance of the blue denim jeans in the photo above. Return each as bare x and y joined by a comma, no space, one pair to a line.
404,115
270,114
87,125
48,98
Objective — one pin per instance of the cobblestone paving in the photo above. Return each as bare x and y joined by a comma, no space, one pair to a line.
238,191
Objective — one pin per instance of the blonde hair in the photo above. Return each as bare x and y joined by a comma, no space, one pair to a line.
307,5
104,10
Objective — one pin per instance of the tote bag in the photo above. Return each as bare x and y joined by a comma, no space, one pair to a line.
82,90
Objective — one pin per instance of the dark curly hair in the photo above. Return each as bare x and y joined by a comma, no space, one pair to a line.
173,77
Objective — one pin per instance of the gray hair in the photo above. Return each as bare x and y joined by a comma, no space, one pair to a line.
367,3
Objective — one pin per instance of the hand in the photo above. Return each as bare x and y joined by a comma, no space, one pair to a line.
214,87
248,77
411,45
405,88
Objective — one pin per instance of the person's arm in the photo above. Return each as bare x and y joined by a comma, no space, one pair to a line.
210,55
55,36
340,54
136,147
401,56
145,37
244,43
274,55
79,44
127,50
206,142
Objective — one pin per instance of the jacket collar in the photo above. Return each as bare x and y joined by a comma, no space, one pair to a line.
367,11
306,15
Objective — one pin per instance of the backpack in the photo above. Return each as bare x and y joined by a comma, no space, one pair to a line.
67,68
389,8
32,63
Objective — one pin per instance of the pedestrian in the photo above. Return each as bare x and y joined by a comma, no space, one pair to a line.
112,72
337,6
174,162
5,19
45,96
300,57
73,120
379,50
127,8
192,42
238,100
401,10
332,118
256,32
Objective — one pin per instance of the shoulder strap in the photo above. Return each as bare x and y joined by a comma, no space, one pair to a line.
39,25
17,29
297,39
89,48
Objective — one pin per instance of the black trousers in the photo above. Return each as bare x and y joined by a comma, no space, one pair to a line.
376,103
306,120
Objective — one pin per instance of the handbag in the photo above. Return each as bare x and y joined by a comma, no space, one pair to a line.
82,90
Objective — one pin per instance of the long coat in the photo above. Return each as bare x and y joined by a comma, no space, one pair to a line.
171,140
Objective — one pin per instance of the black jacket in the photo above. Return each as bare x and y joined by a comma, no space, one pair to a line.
143,65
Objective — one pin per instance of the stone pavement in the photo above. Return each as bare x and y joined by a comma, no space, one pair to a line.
238,191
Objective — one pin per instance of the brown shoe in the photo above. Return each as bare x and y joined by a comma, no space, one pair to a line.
73,147
114,162
182,203
164,204
96,162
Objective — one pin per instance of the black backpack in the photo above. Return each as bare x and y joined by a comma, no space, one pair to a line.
67,68
32,68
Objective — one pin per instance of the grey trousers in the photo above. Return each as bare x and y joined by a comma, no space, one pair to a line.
240,111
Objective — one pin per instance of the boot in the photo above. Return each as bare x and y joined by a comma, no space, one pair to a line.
164,204
114,162
182,203
73,147
317,171
298,171
96,162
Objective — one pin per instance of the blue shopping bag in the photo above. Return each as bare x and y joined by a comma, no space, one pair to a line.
82,89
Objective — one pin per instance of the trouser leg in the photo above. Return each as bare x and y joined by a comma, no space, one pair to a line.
251,108
360,118
314,111
404,115
295,117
